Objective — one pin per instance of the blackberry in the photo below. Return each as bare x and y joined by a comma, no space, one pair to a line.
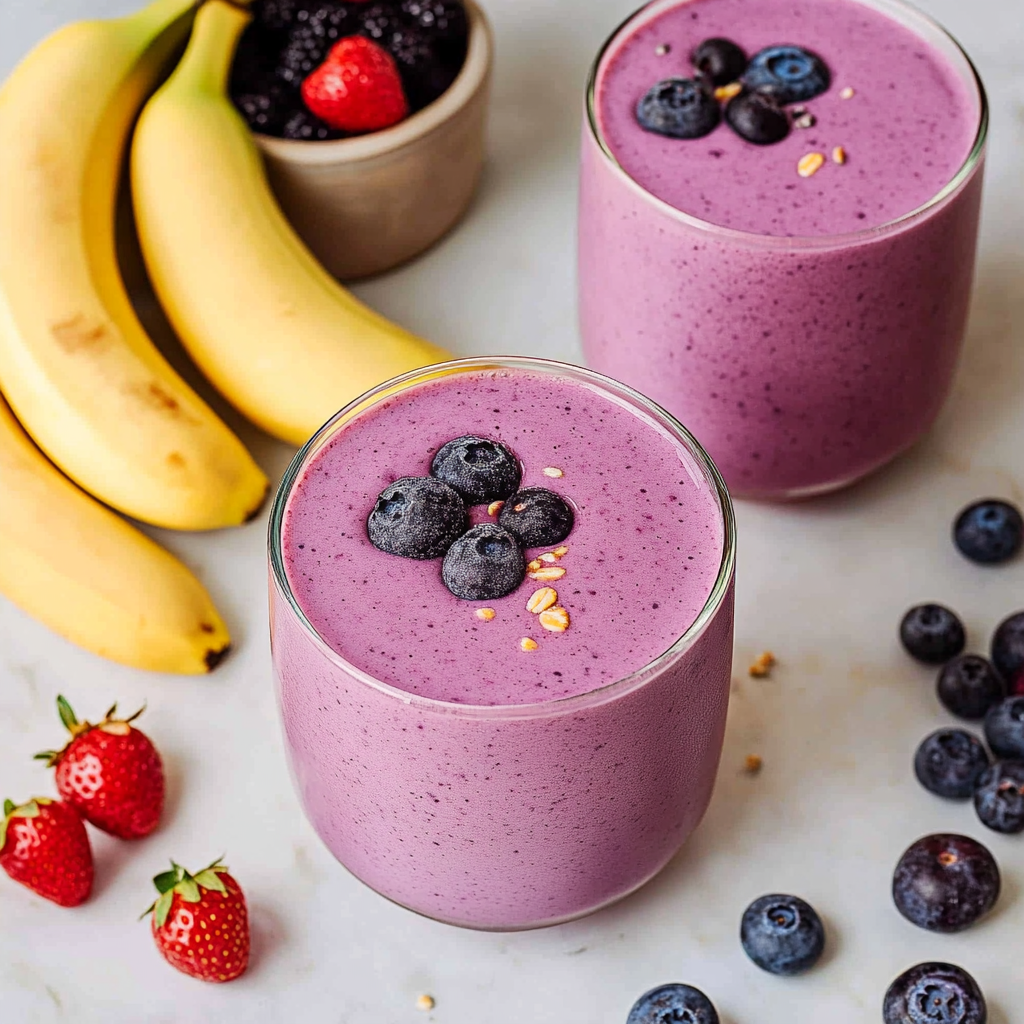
305,51
445,23
380,22
277,14
307,127
425,76
265,112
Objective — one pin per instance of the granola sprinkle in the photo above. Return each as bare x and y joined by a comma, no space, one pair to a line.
426,1002
546,574
486,614
527,644
554,472
753,764
762,665
810,164
541,600
555,620
494,508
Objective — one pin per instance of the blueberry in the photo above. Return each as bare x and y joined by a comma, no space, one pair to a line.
999,798
679,108
949,763
790,74
479,469
934,994
989,531
1007,652
945,883
968,686
1004,728
932,633
536,517
782,934
757,118
416,517
720,61
485,563
670,1003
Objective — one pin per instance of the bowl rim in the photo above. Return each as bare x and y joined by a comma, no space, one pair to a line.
470,81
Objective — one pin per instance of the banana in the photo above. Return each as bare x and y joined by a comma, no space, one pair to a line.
273,331
90,576
75,363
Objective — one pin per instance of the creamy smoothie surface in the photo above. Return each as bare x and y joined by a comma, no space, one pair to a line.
640,564
904,116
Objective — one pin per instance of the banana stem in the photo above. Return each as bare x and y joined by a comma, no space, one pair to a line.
157,16
211,50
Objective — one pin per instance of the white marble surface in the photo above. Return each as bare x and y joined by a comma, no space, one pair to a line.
822,584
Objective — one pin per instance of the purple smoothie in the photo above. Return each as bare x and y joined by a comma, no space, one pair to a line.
445,766
806,329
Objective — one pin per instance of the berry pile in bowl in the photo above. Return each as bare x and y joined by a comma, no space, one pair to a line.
316,70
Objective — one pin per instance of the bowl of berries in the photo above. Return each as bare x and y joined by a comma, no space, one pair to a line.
370,115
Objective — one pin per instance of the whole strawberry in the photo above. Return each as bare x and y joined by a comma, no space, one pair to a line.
110,772
200,922
357,88
43,845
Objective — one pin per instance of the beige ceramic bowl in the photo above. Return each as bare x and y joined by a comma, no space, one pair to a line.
366,204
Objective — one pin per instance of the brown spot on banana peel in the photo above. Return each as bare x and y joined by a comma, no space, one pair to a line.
76,334
214,656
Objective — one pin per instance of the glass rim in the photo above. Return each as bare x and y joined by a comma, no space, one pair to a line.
799,242
542,709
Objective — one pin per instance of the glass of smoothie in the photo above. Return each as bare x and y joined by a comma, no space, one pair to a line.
792,277
502,625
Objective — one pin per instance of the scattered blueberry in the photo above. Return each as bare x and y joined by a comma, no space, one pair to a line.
989,531
1007,652
479,469
949,763
680,108
789,74
485,563
416,517
671,1003
968,686
720,61
932,633
757,118
945,883
537,517
934,994
1004,728
782,934
999,798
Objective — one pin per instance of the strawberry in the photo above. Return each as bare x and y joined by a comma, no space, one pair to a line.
357,88
43,845
200,922
111,773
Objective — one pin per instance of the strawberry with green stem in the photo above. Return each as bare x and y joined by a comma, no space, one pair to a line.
200,922
110,772
44,846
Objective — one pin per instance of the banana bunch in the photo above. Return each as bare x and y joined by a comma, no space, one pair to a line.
97,401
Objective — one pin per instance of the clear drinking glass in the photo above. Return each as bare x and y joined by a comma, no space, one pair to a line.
801,364
549,810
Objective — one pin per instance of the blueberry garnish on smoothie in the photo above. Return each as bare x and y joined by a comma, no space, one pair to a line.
681,108
721,61
675,1002
416,517
789,74
481,470
485,563
536,517
756,117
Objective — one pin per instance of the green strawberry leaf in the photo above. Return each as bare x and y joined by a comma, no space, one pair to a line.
188,890
209,879
9,806
111,712
67,716
29,810
50,756
163,907
131,718
166,881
